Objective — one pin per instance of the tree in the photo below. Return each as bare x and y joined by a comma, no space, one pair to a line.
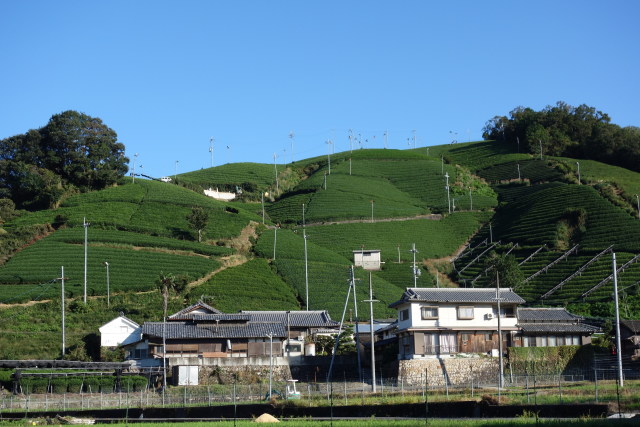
198,219
72,150
507,268
169,283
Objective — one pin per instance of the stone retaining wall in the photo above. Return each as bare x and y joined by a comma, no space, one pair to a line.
455,371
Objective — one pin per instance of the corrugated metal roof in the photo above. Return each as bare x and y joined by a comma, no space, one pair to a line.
546,315
297,319
178,330
458,295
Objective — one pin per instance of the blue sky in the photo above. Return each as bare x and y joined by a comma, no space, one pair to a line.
167,76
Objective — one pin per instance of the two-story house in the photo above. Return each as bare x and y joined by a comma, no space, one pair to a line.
445,321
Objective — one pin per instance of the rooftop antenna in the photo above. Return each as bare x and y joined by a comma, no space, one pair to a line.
386,135
351,140
211,149
414,138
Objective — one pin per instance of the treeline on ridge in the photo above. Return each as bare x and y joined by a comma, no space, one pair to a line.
563,130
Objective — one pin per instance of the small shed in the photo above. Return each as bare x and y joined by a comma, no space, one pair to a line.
369,259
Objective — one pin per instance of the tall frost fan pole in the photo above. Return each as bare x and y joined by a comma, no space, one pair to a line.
618,346
85,224
275,166
415,269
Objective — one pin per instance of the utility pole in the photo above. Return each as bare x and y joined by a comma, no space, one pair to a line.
262,200
329,143
275,166
618,343
211,149
275,238
372,210
498,299
447,188
291,136
306,268
355,310
519,172
470,200
85,224
372,336
325,181
270,335
579,180
106,264
638,201
62,307
415,268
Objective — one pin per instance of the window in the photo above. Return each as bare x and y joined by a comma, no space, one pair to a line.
429,313
504,311
465,313
541,341
404,314
140,353
488,336
552,341
465,338
575,340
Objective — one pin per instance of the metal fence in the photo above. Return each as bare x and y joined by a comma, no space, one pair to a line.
584,387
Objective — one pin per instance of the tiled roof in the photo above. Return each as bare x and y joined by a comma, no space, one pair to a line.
186,313
458,295
297,319
632,325
546,315
568,328
178,330
222,317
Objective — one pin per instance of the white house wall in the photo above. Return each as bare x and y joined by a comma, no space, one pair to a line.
484,317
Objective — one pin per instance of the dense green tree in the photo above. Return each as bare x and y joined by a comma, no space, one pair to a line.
73,149
507,269
198,219
564,130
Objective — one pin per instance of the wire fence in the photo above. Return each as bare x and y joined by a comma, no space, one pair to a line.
589,386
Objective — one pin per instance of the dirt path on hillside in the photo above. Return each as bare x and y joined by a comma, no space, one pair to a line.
433,217
432,266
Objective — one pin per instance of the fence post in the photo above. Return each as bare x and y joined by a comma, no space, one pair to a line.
527,387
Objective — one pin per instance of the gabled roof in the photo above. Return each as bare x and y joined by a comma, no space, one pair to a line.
221,317
369,251
122,318
457,295
197,308
179,330
546,315
296,319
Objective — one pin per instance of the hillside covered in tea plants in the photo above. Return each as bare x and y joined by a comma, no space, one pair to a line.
561,228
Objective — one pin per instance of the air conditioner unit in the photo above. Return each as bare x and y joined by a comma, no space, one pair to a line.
489,316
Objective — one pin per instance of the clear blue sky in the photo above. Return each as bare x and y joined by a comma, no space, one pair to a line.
167,76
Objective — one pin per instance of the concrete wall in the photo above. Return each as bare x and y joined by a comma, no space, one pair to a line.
457,371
